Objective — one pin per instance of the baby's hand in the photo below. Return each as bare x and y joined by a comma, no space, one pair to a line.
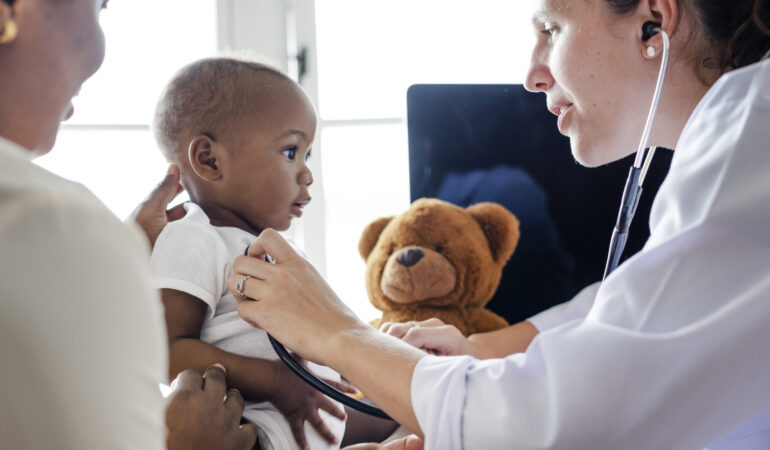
299,402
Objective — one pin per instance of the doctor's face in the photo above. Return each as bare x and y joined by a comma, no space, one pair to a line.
587,61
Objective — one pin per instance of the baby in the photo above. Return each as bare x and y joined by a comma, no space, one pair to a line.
241,133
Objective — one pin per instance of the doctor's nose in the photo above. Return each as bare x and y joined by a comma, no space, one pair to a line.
539,78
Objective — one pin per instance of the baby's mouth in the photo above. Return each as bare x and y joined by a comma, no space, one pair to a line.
297,207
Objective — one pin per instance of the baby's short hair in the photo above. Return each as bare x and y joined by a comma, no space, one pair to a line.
213,96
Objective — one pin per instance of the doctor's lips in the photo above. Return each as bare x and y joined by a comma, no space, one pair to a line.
559,110
296,207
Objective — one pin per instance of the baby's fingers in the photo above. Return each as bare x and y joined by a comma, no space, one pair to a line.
297,425
330,407
318,423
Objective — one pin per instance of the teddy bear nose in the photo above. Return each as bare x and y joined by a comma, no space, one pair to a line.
410,257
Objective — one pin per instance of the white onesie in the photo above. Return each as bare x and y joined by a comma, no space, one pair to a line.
195,257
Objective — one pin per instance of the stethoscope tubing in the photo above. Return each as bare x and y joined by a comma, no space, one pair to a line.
317,383
636,174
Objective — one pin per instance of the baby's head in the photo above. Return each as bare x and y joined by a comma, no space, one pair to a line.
241,132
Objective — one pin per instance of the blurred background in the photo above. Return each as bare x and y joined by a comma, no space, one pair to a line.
355,58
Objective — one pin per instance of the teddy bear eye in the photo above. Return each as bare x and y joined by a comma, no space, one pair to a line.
440,248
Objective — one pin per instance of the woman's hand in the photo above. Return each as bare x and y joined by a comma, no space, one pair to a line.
291,301
151,214
299,402
432,336
203,415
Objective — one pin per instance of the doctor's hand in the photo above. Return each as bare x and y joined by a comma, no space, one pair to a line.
202,414
151,214
291,301
432,336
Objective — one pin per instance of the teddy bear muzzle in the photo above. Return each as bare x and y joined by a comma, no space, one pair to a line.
414,273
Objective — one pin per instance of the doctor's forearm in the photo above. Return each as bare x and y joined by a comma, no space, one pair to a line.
381,366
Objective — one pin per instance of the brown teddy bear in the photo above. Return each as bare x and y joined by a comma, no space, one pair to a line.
439,260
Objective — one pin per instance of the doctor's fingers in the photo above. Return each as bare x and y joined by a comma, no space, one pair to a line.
253,267
400,329
272,243
442,340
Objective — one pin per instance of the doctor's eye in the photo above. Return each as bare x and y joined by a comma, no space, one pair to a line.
290,153
549,29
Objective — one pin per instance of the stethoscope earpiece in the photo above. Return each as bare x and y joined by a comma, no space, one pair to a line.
649,29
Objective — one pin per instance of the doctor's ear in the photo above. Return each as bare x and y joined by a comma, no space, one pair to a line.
656,15
203,153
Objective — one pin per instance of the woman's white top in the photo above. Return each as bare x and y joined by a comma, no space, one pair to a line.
672,351
82,338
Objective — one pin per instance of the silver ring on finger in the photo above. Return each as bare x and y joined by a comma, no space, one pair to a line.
240,285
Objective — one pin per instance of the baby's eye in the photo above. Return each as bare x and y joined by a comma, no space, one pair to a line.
307,156
290,152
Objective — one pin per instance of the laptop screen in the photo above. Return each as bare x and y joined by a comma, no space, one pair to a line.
499,143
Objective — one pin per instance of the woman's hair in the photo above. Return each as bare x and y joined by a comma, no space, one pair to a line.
733,33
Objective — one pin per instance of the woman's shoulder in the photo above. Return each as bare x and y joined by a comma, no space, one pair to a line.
28,192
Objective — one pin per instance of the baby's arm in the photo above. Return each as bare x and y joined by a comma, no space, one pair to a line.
255,378
258,379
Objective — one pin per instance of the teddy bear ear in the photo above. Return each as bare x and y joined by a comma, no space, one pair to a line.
370,236
500,226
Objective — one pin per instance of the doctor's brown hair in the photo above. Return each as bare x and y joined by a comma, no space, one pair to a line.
733,33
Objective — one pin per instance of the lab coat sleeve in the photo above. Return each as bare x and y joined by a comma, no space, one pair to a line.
589,385
577,308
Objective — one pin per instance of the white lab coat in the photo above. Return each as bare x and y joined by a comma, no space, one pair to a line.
672,351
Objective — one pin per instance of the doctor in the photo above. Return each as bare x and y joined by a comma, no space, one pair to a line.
671,351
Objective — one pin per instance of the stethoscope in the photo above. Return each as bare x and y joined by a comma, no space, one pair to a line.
630,201
633,190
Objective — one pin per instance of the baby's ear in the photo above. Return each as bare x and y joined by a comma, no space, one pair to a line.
370,236
500,227
202,154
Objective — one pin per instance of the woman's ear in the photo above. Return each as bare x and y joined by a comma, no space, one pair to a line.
203,153
666,15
